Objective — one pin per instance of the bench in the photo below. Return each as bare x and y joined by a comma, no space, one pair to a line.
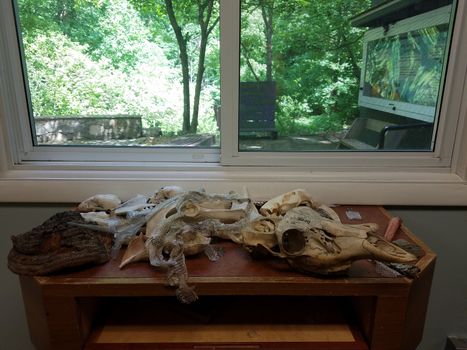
367,134
257,107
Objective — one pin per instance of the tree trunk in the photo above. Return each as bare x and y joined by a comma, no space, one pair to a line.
205,9
267,11
182,45
199,81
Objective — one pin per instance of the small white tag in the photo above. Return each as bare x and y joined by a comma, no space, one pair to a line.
353,215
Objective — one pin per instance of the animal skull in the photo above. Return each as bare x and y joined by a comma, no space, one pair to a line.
261,231
281,204
165,193
183,225
312,243
100,202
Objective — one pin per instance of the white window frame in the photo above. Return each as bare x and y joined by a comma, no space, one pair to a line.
27,174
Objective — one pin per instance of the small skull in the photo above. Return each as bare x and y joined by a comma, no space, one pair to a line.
100,202
279,205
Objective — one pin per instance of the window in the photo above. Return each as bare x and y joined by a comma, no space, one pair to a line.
121,73
300,76
105,93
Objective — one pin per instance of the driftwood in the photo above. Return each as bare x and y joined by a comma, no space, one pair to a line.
56,245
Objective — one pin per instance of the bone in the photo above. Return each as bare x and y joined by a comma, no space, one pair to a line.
199,213
328,212
136,251
261,231
340,230
100,202
167,209
165,193
144,208
386,251
313,243
194,241
281,204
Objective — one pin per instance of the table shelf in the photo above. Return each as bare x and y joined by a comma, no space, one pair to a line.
244,303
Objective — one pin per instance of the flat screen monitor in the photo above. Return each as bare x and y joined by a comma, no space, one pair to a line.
403,65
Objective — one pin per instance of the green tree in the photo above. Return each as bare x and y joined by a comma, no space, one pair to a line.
312,52
192,23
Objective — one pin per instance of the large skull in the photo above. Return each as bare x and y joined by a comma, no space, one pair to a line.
313,243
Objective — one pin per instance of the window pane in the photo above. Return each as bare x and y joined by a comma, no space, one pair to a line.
341,75
122,72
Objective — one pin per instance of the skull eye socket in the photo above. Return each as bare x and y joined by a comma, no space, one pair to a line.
293,241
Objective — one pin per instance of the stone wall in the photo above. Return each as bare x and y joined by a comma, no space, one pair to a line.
81,128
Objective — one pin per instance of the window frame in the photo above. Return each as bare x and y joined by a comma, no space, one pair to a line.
437,178
22,145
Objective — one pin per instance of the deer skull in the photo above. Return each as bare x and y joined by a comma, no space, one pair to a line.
260,231
313,243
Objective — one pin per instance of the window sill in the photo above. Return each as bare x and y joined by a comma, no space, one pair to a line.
384,187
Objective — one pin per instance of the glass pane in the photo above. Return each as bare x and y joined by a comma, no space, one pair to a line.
122,72
334,76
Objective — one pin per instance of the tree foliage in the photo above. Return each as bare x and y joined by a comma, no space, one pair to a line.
160,59
316,57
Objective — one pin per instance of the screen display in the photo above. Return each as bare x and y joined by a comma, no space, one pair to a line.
406,67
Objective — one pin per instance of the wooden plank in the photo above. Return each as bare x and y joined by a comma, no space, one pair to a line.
389,324
305,322
63,321
219,333
417,307
35,311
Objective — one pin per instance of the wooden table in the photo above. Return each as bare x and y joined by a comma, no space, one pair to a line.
244,303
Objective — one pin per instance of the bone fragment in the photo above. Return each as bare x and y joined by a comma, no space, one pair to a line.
100,202
199,213
166,209
136,251
281,204
328,212
165,193
336,229
386,251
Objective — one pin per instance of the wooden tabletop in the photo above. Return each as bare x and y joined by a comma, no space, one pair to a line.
237,271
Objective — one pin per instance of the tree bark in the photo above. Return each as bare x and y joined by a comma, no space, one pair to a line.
267,11
205,9
182,45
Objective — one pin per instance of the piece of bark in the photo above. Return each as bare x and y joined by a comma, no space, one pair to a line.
56,245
